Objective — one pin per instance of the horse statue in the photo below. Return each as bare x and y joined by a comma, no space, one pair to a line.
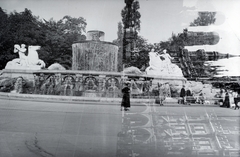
30,61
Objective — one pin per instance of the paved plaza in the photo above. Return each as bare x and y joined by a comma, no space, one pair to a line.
58,129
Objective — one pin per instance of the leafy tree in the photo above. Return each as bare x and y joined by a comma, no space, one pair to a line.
204,19
20,28
133,18
71,25
131,21
4,44
60,36
54,37
140,59
51,48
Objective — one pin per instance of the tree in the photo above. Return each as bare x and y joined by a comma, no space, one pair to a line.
4,43
60,35
131,21
204,19
131,16
140,59
72,25
54,37
20,28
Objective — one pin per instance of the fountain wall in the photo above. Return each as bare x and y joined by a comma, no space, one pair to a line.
94,74
95,54
93,83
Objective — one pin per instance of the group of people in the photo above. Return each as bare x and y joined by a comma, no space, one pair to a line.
228,98
187,97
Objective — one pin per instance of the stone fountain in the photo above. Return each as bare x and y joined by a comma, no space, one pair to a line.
95,54
94,74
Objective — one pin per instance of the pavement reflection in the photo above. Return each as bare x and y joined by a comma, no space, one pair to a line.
179,131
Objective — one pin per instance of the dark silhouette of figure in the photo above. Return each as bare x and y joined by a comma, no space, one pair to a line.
226,102
126,97
183,95
236,100
189,97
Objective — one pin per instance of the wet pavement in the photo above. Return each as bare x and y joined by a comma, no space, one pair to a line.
48,129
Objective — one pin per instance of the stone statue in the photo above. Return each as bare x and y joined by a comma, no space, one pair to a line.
154,60
31,61
166,57
160,64
21,52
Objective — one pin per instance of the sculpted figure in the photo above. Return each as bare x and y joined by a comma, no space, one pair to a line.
166,59
166,56
154,60
21,52
30,61
160,64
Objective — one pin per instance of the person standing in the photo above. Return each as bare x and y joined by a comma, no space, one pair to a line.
188,96
236,100
162,95
126,97
226,102
183,95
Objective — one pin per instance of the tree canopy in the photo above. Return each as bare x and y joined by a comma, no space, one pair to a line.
54,37
204,18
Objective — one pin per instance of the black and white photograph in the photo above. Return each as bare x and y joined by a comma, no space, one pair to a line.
119,78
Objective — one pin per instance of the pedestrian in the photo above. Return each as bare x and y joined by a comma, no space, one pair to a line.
162,94
223,93
226,102
188,96
126,97
237,100
201,98
183,95
231,98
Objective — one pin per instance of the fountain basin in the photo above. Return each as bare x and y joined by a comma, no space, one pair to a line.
94,55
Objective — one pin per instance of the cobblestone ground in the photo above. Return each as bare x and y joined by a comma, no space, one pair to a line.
35,128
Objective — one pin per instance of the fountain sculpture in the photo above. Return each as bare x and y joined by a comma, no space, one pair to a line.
30,61
161,65
94,73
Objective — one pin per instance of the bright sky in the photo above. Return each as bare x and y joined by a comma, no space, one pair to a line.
160,18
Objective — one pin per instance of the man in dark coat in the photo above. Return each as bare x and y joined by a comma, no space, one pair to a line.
126,97
183,95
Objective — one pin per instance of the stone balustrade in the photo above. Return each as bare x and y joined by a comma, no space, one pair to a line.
96,84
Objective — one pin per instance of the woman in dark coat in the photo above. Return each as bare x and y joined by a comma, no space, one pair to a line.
226,102
126,97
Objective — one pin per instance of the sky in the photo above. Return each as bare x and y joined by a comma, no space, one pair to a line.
159,18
